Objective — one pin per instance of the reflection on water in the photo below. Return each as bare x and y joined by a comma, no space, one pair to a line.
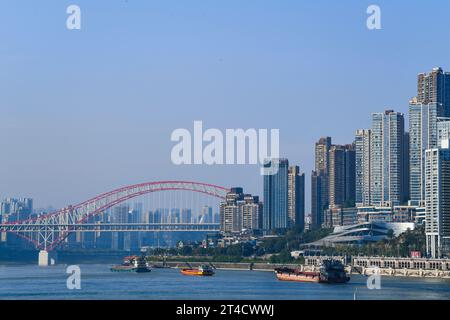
97,282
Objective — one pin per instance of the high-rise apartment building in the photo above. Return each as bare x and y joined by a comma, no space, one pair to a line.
240,212
387,167
322,155
230,220
422,136
434,87
443,130
251,212
276,196
437,200
320,181
296,197
341,175
362,167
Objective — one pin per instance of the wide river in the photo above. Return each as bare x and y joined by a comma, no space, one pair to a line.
97,282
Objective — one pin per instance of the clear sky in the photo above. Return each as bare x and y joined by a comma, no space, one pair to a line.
83,112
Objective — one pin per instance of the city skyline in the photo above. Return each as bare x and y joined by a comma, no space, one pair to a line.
36,126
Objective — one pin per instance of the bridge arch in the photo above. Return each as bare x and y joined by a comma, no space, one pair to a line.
54,227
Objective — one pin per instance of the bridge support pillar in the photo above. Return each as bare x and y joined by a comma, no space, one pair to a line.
46,258
43,258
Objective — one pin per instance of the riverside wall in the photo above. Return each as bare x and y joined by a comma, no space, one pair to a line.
395,267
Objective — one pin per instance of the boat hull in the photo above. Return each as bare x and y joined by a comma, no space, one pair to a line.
314,278
129,269
196,272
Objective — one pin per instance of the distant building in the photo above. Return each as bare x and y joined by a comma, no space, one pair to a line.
12,210
296,197
437,200
339,216
276,197
206,215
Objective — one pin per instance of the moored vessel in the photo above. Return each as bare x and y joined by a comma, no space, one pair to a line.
132,264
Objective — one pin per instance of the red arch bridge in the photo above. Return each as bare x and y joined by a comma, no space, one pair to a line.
46,232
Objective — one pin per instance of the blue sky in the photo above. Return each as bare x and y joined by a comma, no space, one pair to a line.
83,112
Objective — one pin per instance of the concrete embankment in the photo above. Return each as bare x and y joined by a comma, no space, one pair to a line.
226,265
390,272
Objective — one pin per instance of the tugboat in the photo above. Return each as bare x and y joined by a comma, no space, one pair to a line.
132,264
330,271
203,270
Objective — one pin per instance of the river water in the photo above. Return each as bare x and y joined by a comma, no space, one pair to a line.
98,282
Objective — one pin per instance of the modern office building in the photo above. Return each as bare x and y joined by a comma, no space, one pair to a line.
276,196
434,87
362,167
437,200
387,167
342,175
296,198
423,135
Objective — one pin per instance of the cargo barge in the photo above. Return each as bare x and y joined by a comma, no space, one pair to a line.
330,271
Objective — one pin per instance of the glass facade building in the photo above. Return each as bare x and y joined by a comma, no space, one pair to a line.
276,196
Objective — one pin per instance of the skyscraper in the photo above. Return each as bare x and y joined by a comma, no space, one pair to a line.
296,197
322,155
387,186
422,136
319,181
362,167
342,175
434,87
318,202
276,196
437,200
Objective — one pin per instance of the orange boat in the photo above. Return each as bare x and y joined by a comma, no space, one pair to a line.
203,270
